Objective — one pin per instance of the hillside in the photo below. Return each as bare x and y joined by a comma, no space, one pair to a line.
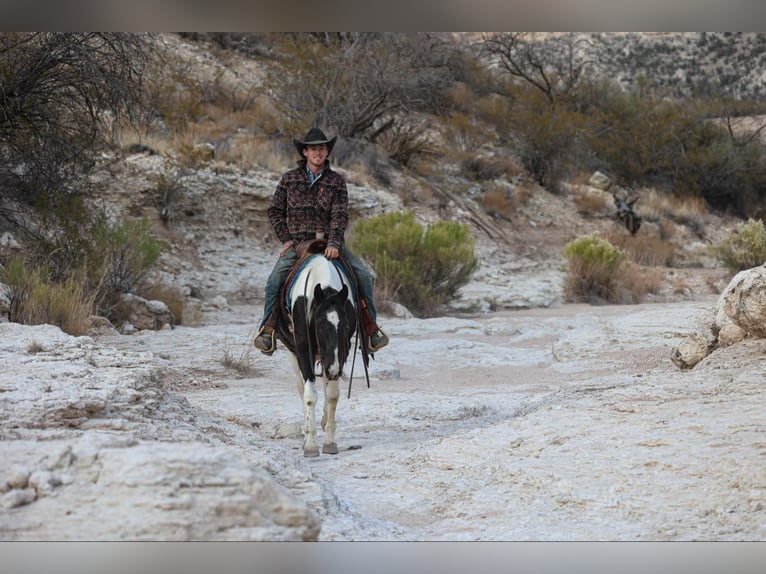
217,214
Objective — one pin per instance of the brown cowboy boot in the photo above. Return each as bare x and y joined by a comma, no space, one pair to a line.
265,341
376,338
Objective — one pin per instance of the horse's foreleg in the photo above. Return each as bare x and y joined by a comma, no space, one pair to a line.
331,395
310,447
308,395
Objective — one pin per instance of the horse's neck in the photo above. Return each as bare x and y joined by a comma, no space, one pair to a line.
317,271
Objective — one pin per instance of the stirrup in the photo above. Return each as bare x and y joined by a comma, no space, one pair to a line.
259,338
382,340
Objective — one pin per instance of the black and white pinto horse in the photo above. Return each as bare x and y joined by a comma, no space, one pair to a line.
323,314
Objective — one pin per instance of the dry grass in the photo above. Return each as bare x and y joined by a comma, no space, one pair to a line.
250,151
34,347
36,300
506,199
644,249
592,202
635,282
655,206
241,363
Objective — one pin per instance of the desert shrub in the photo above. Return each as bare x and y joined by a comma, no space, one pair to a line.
128,252
546,139
422,269
674,145
593,267
743,248
504,200
240,363
36,299
406,142
479,168
108,257
592,202
464,132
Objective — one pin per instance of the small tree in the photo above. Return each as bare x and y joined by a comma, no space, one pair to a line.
61,94
422,269
361,85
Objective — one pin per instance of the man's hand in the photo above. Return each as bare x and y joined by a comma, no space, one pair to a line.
331,252
285,246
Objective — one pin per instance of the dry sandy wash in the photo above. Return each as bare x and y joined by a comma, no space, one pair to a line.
566,423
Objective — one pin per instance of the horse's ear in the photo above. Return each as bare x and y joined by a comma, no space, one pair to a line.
344,292
318,293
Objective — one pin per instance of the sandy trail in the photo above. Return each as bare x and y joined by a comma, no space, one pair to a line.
566,423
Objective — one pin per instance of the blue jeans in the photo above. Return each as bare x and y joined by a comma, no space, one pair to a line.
285,263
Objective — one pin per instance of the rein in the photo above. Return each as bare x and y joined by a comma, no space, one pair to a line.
357,310
307,317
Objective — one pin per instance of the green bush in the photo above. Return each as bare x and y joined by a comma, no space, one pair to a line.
421,269
36,299
82,244
128,251
594,268
744,248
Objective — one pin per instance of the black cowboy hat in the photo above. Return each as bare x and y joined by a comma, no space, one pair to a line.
314,136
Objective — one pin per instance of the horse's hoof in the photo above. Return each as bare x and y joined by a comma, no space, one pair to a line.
330,448
311,452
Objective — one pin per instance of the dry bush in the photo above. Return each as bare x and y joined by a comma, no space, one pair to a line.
464,132
34,347
580,177
241,363
690,211
249,151
681,285
505,199
667,229
36,300
635,282
589,202
483,168
260,118
497,198
644,249
524,190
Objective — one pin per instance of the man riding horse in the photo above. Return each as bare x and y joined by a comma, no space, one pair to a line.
312,200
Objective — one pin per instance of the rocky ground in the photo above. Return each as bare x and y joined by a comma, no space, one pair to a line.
560,423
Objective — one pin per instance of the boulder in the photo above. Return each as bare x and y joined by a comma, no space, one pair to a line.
146,314
744,303
600,181
692,350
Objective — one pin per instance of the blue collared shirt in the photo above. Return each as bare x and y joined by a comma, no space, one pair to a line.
312,177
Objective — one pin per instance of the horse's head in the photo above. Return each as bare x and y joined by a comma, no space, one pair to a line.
334,323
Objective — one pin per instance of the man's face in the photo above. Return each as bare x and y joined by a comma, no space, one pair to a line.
315,154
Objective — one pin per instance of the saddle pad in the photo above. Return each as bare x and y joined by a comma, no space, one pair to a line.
300,264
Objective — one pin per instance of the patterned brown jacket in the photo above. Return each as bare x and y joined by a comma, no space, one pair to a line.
299,209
